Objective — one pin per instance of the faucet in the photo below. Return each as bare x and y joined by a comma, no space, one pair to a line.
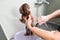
39,2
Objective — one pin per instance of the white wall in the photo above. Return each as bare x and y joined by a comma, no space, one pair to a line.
9,15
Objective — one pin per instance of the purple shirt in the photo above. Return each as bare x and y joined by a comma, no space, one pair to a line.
20,36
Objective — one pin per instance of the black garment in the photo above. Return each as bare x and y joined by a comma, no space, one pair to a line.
58,28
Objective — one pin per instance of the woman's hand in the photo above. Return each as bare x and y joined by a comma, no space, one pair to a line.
29,21
42,19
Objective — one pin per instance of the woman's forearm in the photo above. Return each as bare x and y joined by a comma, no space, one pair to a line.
40,32
54,15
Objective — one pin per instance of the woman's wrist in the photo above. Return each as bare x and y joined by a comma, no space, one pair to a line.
48,17
28,24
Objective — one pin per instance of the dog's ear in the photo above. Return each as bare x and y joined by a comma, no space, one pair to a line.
22,20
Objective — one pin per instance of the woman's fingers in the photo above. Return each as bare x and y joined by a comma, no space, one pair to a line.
42,19
29,20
